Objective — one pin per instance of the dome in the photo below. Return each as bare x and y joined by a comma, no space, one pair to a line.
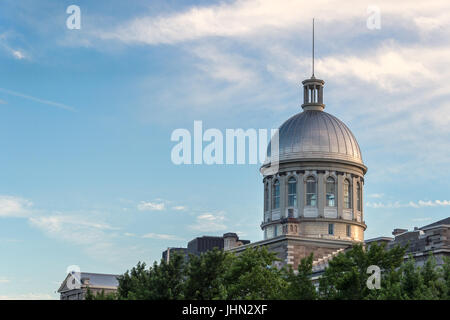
317,135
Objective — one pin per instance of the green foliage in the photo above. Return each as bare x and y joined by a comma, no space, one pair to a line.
251,274
346,277
300,286
445,274
100,296
205,275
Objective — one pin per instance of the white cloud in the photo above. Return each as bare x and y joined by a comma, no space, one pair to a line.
4,280
251,18
375,195
410,204
151,206
18,54
11,206
129,234
161,236
229,67
210,222
179,208
92,236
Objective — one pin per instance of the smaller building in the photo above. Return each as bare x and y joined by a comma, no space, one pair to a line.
420,242
75,286
167,253
200,245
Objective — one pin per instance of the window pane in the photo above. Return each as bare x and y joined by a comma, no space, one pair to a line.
292,192
276,195
311,193
330,228
330,192
347,195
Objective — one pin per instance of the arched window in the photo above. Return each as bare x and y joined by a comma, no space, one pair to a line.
266,197
358,196
276,195
292,192
331,192
311,192
347,195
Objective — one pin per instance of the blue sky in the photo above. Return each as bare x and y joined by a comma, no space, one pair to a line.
86,117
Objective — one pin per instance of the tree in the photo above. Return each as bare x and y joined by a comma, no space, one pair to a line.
100,296
160,282
346,276
134,284
445,276
300,285
205,275
253,276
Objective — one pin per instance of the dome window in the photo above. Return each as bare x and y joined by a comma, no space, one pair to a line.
276,195
331,192
347,195
292,192
311,192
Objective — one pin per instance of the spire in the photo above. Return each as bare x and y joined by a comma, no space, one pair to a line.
313,88
313,51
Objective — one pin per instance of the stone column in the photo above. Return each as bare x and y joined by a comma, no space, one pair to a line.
340,193
354,191
362,199
283,195
269,181
300,193
320,193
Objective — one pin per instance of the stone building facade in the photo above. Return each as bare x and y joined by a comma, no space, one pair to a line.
433,238
75,286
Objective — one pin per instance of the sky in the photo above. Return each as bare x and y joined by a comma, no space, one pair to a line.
86,117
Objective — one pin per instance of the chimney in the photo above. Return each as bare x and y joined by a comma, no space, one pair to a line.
230,240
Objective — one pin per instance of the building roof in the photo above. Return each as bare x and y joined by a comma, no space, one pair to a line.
317,135
378,239
96,280
437,223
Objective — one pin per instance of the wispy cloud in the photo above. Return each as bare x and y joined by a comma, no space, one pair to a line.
11,206
4,280
151,206
18,54
411,204
38,100
375,195
210,222
160,236
179,208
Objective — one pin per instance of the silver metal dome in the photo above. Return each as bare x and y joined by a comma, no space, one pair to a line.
317,135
